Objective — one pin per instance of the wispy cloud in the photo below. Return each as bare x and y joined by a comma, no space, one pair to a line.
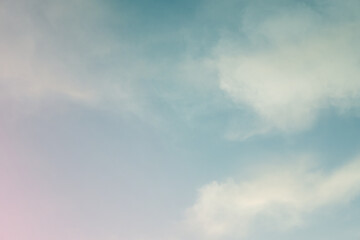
291,63
279,197
63,50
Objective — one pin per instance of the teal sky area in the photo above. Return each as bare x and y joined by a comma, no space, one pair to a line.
179,120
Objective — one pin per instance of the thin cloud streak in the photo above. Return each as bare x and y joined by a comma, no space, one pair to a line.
56,51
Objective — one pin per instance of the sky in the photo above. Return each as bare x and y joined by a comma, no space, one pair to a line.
179,120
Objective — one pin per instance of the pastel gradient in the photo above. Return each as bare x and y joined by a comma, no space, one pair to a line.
179,120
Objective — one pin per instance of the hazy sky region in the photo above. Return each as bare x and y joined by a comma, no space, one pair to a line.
179,120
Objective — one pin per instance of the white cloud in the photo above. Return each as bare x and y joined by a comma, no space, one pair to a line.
297,62
279,197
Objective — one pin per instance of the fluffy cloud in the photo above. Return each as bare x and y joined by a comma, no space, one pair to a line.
278,197
295,62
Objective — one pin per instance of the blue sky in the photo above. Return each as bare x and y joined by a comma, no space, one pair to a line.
176,120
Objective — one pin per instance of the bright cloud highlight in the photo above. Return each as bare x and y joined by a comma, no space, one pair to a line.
279,197
296,65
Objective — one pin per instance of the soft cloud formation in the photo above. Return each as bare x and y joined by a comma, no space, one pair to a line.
62,51
278,197
27,69
294,62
